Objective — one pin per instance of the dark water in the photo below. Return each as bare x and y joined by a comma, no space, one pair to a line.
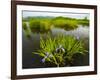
32,43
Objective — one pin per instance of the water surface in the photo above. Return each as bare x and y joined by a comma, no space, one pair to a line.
32,43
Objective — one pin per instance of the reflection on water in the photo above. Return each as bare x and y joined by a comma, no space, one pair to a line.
32,44
82,32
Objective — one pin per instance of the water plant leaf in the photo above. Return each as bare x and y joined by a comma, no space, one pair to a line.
70,44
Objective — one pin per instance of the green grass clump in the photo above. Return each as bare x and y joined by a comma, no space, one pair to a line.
40,25
45,25
34,25
60,49
67,24
71,24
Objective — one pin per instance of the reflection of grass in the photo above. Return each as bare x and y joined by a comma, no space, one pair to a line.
24,26
27,33
60,50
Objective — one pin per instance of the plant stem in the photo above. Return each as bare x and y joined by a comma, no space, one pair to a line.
55,61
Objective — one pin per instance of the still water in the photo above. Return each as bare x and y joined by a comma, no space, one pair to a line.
32,43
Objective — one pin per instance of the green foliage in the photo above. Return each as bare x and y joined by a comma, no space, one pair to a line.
34,24
24,26
83,22
65,23
40,25
59,50
45,24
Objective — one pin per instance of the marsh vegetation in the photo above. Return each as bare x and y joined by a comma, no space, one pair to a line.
43,24
55,41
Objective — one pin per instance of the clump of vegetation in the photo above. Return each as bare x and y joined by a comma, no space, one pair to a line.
66,23
34,24
83,22
60,49
40,25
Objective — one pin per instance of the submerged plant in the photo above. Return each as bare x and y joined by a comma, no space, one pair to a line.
60,50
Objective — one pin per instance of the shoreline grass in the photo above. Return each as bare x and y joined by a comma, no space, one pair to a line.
44,24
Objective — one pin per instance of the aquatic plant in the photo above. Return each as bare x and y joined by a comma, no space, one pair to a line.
59,50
